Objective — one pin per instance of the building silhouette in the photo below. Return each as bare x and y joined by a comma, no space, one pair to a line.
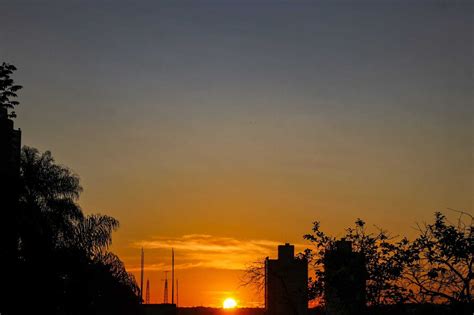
345,275
286,283
10,143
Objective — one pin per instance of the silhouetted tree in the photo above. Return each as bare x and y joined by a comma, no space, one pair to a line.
48,200
382,258
437,267
93,234
63,253
8,88
56,259
440,261
9,184
254,276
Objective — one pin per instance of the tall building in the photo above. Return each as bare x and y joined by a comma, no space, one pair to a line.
286,283
10,141
345,276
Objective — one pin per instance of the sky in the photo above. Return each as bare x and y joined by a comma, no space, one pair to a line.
224,128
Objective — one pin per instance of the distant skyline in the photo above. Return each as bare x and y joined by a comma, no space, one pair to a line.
223,128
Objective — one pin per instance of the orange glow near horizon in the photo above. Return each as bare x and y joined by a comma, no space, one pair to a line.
208,267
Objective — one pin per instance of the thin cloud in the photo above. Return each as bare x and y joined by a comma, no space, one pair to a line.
208,251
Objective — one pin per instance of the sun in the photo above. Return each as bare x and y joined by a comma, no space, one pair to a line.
229,303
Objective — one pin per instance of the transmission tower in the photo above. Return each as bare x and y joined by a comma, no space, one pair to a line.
165,294
141,275
177,293
172,276
147,298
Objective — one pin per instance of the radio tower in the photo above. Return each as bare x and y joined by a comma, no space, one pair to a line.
141,276
147,298
172,276
177,293
165,295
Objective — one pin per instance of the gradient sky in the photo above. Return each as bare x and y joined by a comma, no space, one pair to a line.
222,128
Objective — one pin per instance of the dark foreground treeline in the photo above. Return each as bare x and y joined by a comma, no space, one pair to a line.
431,274
408,309
61,263
54,259
421,309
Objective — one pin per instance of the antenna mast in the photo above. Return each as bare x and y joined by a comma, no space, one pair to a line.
141,276
147,298
177,293
172,275
165,294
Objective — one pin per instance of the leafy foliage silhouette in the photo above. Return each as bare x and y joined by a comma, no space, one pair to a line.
382,259
440,261
78,273
436,267
52,254
8,88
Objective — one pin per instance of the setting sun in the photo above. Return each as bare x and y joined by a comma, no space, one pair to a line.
229,303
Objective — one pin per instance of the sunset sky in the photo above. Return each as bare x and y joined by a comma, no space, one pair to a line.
224,128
